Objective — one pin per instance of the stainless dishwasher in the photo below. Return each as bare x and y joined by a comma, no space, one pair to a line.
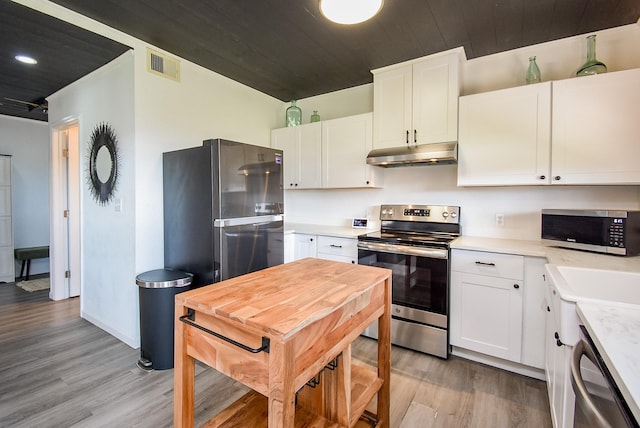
598,404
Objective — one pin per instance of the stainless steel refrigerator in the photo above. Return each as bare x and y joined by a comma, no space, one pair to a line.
223,210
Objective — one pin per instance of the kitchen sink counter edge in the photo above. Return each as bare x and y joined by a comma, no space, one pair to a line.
616,333
319,229
554,255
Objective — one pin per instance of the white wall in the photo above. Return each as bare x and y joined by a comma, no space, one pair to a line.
27,141
436,185
617,47
108,293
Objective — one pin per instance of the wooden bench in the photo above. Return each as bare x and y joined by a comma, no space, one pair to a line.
25,255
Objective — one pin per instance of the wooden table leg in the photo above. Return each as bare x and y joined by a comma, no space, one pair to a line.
282,394
384,358
183,376
331,398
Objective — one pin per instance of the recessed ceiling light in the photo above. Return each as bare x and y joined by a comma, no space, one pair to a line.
26,59
350,11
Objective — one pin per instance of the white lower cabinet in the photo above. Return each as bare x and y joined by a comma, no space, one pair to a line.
304,246
338,249
496,305
558,366
322,247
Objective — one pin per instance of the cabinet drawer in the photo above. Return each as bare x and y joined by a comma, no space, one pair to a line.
489,264
344,259
347,247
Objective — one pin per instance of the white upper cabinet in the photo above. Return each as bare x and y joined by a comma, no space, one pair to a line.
416,102
596,129
505,137
302,148
576,131
328,154
345,144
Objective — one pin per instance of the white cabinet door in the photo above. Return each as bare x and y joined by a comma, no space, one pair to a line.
305,246
289,247
551,359
302,148
7,262
285,140
417,102
436,88
505,137
488,315
558,366
534,310
392,107
345,144
596,129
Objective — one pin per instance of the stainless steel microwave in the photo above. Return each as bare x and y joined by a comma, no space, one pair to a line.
602,231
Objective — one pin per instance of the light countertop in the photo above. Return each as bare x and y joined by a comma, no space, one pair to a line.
615,331
318,229
554,255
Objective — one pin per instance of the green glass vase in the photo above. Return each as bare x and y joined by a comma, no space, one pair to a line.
294,115
592,66
533,72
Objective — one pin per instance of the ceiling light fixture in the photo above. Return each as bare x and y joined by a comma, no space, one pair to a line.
26,59
350,11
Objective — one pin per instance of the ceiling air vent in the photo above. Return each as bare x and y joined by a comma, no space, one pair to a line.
161,64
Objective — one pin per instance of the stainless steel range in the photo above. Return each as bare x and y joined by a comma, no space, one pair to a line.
413,242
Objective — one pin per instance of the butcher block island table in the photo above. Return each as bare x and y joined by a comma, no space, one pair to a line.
286,333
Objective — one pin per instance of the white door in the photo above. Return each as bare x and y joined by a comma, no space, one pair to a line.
65,212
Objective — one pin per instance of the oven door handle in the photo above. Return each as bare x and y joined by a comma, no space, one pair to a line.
583,397
433,253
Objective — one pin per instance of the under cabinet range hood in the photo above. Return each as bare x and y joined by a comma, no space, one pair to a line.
424,154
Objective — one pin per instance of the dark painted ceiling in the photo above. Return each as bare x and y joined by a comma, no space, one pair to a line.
287,49
64,52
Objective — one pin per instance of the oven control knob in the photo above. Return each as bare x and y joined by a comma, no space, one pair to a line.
454,214
445,214
390,212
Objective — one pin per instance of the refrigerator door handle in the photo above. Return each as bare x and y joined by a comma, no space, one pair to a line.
259,219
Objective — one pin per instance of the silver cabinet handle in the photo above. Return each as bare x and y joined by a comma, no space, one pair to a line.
335,246
583,398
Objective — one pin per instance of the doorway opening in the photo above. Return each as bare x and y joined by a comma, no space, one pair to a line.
65,216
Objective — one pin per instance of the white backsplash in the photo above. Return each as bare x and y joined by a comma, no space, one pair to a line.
436,185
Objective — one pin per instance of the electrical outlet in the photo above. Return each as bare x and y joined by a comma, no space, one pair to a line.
499,219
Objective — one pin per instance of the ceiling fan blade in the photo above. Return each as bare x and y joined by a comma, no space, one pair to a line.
22,102
40,103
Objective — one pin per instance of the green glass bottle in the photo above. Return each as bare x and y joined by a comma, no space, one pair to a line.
294,115
592,66
315,117
533,73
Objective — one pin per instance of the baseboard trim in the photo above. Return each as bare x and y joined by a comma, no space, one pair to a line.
510,366
135,344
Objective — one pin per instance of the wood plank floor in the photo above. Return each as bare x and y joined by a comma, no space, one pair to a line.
58,370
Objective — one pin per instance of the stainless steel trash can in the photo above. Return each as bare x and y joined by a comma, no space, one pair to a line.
157,290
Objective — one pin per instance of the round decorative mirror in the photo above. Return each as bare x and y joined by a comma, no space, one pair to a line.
103,163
